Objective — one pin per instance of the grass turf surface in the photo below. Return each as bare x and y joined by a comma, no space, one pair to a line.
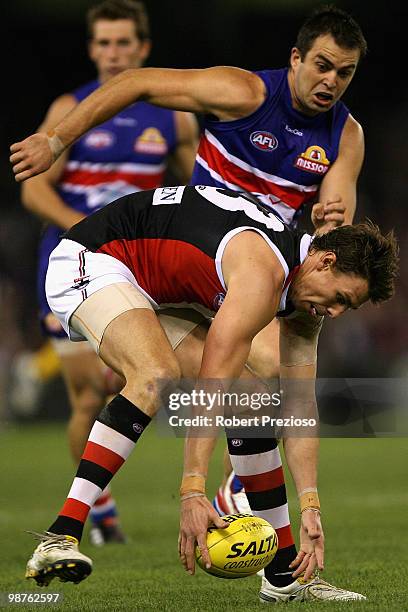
363,493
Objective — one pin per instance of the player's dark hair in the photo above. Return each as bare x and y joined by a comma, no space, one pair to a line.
362,249
112,10
331,20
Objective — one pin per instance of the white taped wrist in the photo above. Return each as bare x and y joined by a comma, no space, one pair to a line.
56,145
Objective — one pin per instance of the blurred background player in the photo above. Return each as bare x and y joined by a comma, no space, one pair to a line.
128,153
281,134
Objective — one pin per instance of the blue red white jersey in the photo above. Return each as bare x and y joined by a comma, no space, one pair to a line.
173,239
277,153
125,154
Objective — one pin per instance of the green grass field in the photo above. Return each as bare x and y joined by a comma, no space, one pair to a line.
363,488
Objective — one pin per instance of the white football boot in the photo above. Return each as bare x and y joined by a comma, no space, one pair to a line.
57,556
314,589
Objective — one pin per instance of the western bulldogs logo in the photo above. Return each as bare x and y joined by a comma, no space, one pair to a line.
264,141
99,139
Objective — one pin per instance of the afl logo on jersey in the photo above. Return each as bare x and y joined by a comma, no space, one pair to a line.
264,141
218,300
99,139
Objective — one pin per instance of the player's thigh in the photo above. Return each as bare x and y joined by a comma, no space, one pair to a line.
264,355
186,330
123,328
135,343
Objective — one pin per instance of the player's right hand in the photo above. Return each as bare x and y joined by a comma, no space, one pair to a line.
311,549
197,514
31,156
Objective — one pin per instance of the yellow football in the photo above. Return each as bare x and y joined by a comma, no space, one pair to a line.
246,546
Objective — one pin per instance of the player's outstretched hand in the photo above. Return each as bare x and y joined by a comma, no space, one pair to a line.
197,514
311,550
31,156
327,216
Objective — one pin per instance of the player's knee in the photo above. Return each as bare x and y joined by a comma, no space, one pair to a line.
165,373
155,377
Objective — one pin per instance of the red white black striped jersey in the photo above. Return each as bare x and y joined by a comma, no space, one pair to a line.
173,238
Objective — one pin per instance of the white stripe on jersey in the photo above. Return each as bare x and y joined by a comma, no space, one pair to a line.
122,188
128,168
259,173
215,174
285,211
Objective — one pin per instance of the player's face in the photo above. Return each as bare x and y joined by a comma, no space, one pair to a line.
115,47
319,80
321,290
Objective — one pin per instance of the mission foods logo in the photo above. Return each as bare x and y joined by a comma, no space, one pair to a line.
313,160
151,141
264,141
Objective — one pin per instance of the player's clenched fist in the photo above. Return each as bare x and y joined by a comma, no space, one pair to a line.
34,155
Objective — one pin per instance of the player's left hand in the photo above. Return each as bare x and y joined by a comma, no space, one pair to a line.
197,514
327,216
311,550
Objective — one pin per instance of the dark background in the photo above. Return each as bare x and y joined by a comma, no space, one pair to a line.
44,54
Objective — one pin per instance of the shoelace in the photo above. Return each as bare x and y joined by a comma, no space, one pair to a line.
323,583
52,540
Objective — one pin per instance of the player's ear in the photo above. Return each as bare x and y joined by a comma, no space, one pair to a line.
328,260
91,49
295,57
145,49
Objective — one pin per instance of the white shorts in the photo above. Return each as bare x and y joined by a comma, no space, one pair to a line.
98,288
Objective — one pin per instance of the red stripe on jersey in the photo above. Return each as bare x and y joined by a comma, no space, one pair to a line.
248,181
86,178
285,537
73,508
263,482
103,456
170,271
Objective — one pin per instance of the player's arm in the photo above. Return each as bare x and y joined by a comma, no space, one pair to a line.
226,92
338,191
298,355
38,194
182,159
240,318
